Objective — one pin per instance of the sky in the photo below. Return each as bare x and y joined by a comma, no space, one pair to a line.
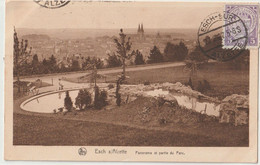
110,15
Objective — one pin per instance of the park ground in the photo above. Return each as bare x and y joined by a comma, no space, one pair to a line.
119,127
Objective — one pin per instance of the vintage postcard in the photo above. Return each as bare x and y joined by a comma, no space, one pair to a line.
131,81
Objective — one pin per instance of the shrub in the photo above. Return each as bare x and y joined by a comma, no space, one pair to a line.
200,87
161,101
67,101
113,61
110,86
83,99
147,83
100,99
162,121
206,85
103,99
203,87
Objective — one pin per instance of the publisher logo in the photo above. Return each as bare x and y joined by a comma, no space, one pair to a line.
82,151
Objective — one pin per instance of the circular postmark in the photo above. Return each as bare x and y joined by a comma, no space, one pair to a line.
52,4
82,151
222,36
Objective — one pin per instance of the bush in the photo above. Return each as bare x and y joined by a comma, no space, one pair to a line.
83,99
200,87
206,85
162,121
147,83
110,86
103,99
203,87
67,101
100,99
113,61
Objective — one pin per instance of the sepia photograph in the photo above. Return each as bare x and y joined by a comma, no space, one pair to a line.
131,74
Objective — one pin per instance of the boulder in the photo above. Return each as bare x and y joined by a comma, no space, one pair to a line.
241,118
241,101
171,100
227,113
234,110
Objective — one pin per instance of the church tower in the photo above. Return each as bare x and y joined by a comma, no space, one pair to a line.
140,31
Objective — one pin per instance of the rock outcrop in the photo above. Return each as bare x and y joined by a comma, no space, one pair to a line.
234,110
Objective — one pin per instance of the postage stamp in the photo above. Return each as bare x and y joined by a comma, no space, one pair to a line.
210,36
249,15
52,4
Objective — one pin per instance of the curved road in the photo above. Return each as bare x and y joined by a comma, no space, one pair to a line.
55,77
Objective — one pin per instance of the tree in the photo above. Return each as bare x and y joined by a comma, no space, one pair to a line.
139,59
175,52
197,56
100,99
103,98
96,97
21,54
68,102
182,51
207,40
93,64
169,52
75,65
83,99
113,61
123,47
193,61
52,63
98,62
52,60
45,68
155,56
35,64
118,95
86,63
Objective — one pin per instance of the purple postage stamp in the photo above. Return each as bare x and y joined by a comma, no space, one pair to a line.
249,15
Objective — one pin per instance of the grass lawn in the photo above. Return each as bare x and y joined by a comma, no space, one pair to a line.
223,78
41,130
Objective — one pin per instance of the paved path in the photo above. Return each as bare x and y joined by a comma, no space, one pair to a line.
54,79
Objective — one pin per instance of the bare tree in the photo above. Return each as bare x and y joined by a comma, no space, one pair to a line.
21,54
93,75
123,47
192,63
192,67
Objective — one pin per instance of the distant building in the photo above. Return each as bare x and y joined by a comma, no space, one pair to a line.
140,32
